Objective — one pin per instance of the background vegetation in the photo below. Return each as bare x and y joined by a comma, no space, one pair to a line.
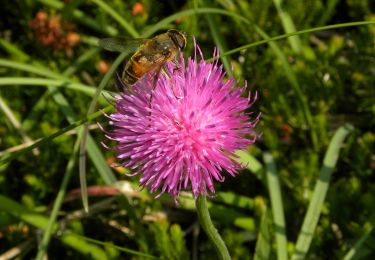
309,86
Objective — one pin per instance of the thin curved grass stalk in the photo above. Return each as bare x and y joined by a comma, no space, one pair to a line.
287,35
288,25
82,157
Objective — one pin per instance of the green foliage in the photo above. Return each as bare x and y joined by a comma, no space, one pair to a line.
309,86
168,241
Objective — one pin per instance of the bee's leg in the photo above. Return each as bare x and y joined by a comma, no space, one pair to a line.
165,72
154,84
176,62
168,74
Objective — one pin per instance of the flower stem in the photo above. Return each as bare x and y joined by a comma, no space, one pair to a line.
209,228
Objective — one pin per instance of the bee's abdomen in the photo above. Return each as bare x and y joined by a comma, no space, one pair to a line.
129,76
135,69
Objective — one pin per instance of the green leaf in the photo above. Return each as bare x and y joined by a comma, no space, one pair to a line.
274,190
264,240
364,246
289,26
250,162
120,19
313,212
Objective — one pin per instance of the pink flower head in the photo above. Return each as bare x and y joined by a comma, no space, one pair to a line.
179,133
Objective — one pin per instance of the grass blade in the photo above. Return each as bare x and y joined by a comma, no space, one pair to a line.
82,157
363,247
277,207
16,124
123,249
164,23
127,26
47,82
289,26
9,156
313,212
15,53
295,85
250,162
219,40
58,202
30,68
264,240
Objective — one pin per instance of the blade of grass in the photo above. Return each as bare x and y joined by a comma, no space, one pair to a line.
235,200
289,26
38,109
39,221
58,202
47,82
329,9
296,87
13,50
364,246
264,241
274,190
313,212
8,157
219,40
32,68
17,125
86,56
82,158
123,249
109,10
250,162
165,23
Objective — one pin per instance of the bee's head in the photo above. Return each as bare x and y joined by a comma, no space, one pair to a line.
178,38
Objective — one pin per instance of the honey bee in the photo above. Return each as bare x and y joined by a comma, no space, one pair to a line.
150,54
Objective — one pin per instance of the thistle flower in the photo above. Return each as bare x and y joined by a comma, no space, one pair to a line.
181,133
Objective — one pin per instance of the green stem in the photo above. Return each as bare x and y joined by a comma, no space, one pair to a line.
85,129
283,36
58,202
209,228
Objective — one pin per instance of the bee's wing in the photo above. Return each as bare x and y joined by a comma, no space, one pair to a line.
121,44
